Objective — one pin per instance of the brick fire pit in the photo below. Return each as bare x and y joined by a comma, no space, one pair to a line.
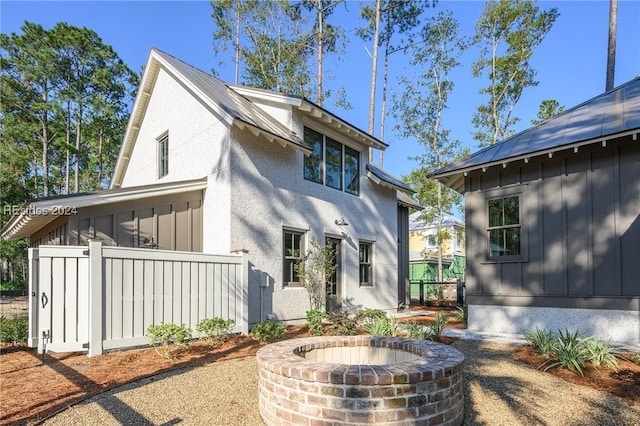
352,380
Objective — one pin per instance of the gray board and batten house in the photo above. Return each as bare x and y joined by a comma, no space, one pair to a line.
216,168
553,223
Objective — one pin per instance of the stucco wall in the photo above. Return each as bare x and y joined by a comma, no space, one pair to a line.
198,147
193,129
269,193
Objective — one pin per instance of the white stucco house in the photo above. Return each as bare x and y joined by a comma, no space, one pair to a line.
217,168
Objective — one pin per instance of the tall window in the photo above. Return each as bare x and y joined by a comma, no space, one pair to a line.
365,264
163,155
504,226
313,163
293,245
331,163
351,170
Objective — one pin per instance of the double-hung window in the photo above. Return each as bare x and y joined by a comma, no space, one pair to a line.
163,155
366,264
293,246
331,163
504,230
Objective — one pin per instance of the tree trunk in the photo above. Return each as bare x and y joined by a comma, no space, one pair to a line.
77,165
319,95
374,70
611,51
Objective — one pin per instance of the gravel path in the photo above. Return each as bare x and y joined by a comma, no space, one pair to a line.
498,391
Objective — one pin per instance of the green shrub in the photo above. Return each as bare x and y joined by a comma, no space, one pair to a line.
383,327
342,324
315,318
636,358
543,341
215,330
569,352
368,316
415,330
437,326
14,330
164,336
267,331
599,354
462,313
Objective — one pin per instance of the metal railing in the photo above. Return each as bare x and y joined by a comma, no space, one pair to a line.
428,292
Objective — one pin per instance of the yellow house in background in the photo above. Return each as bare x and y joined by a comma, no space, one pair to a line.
423,248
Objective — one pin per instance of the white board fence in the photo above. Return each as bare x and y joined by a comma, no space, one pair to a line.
94,298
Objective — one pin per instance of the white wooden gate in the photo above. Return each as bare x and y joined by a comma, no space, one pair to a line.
95,298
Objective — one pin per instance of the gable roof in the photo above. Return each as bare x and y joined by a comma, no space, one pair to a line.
232,104
218,96
616,112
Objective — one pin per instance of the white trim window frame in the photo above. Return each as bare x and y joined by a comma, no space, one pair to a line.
163,154
504,227
366,262
293,244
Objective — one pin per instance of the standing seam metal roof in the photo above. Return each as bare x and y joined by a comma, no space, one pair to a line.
610,113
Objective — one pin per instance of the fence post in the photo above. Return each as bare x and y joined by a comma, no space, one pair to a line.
245,294
96,316
421,292
460,293
34,292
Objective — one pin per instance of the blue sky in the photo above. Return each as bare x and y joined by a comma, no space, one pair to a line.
571,61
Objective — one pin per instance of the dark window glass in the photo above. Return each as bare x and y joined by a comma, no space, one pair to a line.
504,227
313,162
292,256
333,159
163,156
351,170
365,264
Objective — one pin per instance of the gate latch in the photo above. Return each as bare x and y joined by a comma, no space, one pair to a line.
44,299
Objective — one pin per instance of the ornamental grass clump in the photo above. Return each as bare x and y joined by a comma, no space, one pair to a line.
571,350
437,326
543,341
383,327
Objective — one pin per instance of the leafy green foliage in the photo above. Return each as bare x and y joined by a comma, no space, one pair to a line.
215,330
571,350
268,331
367,317
543,341
599,354
315,270
548,108
163,337
315,317
636,358
342,324
437,326
508,32
415,330
383,327
462,313
14,330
